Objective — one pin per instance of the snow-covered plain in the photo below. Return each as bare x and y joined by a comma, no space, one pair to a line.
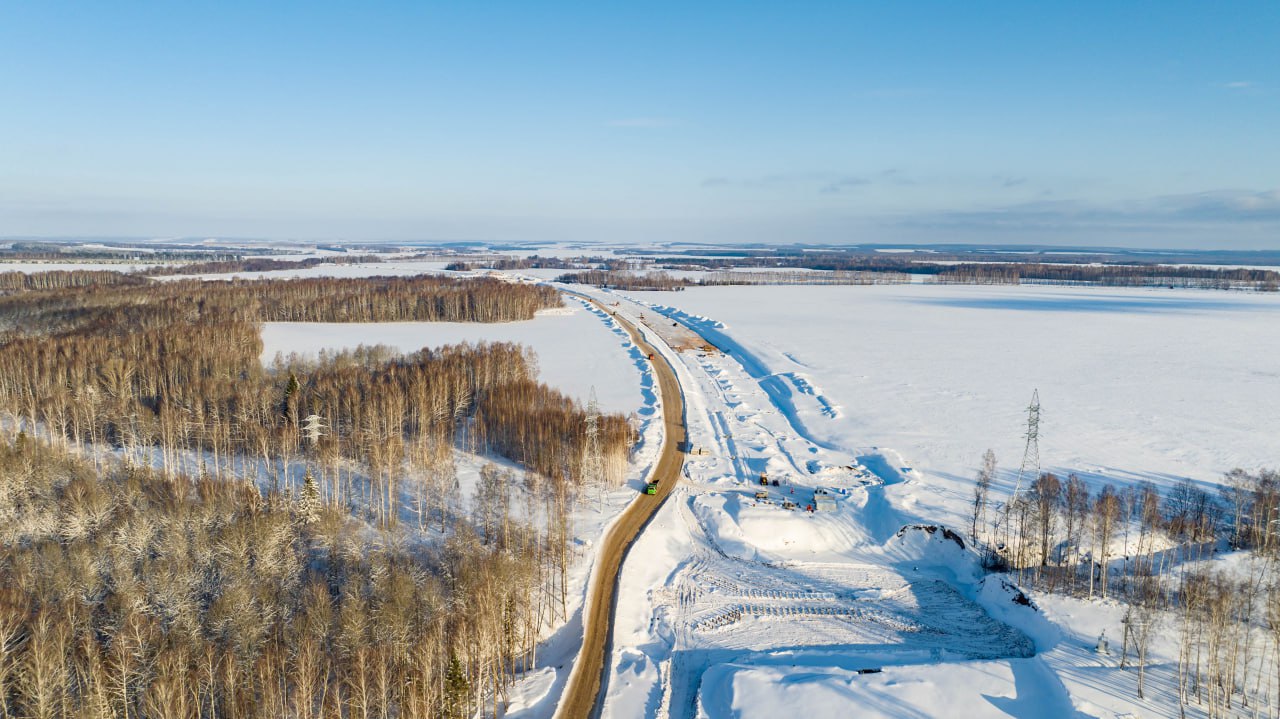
1134,384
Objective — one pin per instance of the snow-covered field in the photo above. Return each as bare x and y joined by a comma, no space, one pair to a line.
576,351
886,396
1135,384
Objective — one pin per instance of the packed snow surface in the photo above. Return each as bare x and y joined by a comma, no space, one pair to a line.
976,690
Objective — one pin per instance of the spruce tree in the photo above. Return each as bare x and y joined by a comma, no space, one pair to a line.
456,689
309,499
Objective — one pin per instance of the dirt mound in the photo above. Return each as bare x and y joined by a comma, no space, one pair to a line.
933,529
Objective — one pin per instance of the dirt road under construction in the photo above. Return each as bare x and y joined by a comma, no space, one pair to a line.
582,694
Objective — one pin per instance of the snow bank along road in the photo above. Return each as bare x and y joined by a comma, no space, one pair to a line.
585,680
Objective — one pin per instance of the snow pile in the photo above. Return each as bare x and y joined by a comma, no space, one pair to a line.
932,545
974,690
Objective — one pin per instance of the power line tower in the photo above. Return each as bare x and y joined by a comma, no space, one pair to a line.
1030,464
1030,455
313,428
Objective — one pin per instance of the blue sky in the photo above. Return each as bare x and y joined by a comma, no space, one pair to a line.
1141,124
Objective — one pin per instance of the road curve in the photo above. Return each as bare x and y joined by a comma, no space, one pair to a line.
583,697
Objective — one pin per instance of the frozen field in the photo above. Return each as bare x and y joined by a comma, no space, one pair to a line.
576,349
1135,384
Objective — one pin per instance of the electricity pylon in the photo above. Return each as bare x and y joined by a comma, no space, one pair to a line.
1030,455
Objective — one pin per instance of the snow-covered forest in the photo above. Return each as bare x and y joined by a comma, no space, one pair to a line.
190,533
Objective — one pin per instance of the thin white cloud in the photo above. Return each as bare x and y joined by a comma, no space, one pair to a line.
1226,205
1240,85
1217,209
844,183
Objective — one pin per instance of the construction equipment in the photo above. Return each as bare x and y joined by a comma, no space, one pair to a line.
764,480
651,488
823,501
691,449
762,494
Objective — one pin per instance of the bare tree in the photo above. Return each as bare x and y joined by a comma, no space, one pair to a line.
1046,494
1075,513
1106,512
981,491
1142,619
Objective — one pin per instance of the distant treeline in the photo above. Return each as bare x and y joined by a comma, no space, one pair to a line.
258,264
512,263
11,282
1004,272
660,280
1108,275
63,252
627,280
837,277
133,306
536,262
805,261
961,253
